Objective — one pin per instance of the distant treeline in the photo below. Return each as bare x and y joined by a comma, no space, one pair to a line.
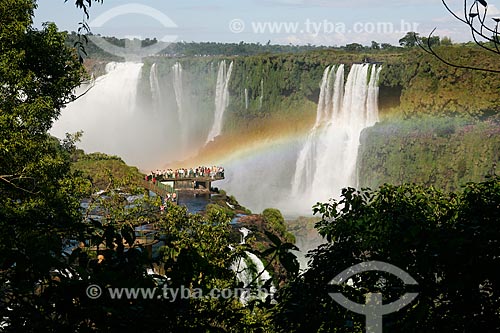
200,49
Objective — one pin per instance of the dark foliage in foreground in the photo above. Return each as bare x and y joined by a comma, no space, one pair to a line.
447,242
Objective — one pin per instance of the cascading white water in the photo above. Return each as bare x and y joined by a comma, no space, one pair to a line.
372,99
221,99
327,161
177,80
247,274
107,115
153,126
155,87
329,105
259,267
118,123
178,91
244,234
261,98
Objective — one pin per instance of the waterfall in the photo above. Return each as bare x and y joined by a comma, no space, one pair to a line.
324,96
178,92
259,267
246,98
244,234
155,87
177,80
261,98
108,115
327,160
246,273
372,99
329,105
221,99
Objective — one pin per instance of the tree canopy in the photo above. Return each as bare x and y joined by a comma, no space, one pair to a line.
447,242
39,205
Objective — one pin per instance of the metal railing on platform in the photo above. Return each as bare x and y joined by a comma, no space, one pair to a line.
158,188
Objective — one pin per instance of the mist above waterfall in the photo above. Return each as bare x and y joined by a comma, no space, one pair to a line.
149,115
111,118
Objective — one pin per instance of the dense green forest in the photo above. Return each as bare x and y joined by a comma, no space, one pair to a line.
204,49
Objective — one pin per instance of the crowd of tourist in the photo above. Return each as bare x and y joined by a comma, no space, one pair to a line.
159,177
199,172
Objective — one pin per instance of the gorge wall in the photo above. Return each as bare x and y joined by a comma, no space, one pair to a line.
255,115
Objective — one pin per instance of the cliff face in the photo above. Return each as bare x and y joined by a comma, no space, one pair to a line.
445,130
430,87
440,125
438,122
286,86
281,85
262,88
443,152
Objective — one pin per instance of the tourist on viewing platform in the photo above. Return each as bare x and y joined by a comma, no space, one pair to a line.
201,171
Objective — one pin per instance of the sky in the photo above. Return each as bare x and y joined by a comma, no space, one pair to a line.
299,22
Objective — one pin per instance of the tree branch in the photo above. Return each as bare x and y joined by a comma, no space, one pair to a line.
468,19
91,85
4,178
